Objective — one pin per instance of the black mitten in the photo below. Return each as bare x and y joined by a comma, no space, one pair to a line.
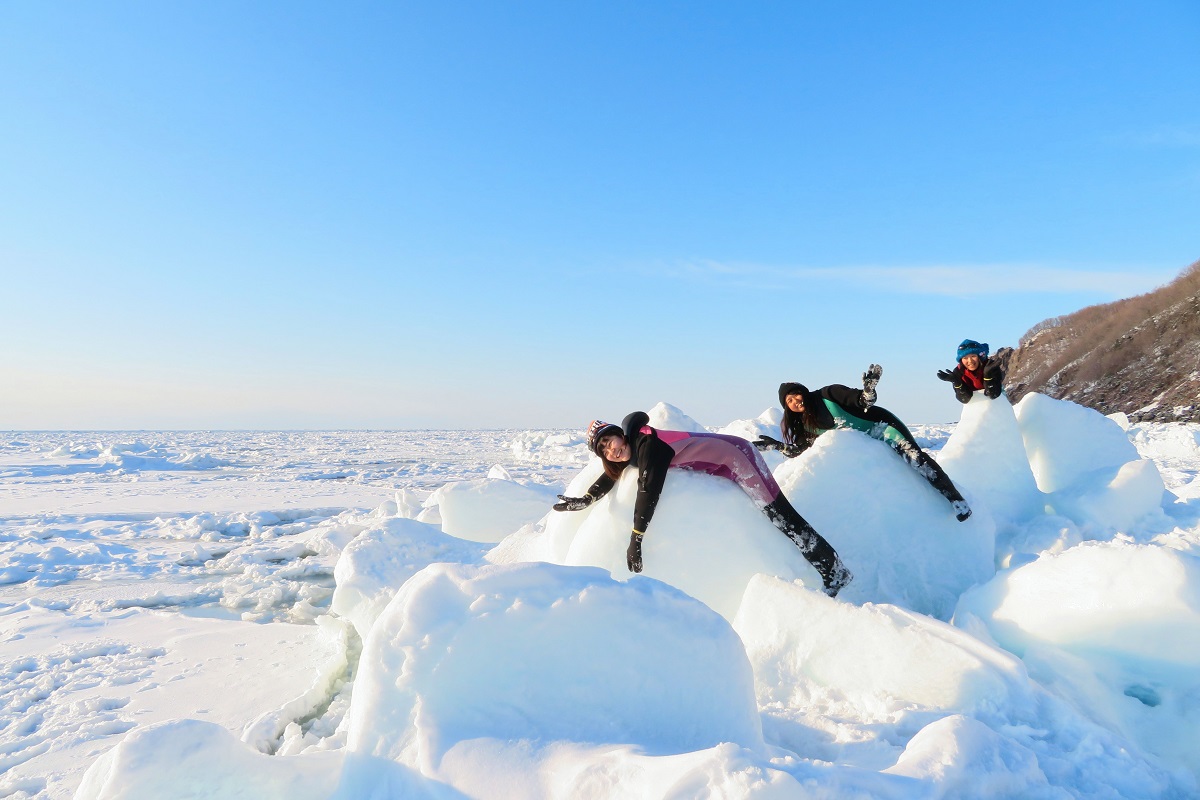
870,380
573,503
993,379
946,375
633,556
767,443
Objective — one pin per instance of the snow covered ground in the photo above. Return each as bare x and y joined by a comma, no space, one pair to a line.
399,614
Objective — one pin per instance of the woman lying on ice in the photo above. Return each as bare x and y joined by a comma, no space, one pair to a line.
654,452
974,372
806,415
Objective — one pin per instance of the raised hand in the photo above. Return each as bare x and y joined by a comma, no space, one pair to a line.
870,380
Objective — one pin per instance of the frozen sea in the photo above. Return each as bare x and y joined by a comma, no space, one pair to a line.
154,580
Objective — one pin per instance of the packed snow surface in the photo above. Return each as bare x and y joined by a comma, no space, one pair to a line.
299,615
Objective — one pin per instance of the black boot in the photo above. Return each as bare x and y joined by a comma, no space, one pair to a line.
932,471
834,574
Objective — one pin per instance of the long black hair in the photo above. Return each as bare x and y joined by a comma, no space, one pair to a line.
798,428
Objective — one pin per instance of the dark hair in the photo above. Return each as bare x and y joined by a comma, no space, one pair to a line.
613,469
796,428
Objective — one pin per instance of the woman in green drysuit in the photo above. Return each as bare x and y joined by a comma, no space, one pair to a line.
806,415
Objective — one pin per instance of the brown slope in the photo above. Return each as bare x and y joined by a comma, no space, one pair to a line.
1140,355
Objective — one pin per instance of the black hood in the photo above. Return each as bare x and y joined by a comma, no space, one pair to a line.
791,388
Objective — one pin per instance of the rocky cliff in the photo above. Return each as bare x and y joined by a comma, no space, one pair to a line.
1140,355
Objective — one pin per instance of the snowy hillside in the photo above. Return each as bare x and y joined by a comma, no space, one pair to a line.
385,614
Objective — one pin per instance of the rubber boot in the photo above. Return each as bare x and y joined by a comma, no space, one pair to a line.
834,574
932,471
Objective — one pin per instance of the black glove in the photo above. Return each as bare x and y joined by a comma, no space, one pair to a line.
947,375
870,379
767,443
633,556
993,379
573,503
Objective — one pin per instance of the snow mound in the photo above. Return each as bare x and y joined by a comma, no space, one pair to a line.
378,561
194,759
897,534
1087,464
1123,642
73,450
765,424
1067,442
798,643
966,758
669,418
987,455
550,447
488,509
545,653
138,456
707,538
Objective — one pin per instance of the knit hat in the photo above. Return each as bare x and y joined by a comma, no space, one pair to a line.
597,430
791,388
970,346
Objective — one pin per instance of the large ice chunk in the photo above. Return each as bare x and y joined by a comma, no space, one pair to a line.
201,760
814,654
488,509
378,561
547,653
987,455
1113,626
706,538
1087,464
897,534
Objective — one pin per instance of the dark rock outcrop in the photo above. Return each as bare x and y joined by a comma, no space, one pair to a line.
1140,355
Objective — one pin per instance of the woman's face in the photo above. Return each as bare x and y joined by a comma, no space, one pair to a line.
971,361
615,448
795,403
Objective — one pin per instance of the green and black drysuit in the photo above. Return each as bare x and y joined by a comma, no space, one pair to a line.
838,406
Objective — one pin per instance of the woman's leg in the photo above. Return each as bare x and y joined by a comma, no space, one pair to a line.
743,463
834,574
931,471
880,414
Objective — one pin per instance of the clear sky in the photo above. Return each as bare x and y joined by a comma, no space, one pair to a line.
530,214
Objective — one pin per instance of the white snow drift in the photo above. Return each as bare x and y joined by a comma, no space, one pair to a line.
722,671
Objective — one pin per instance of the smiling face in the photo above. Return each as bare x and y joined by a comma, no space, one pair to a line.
794,403
614,448
972,361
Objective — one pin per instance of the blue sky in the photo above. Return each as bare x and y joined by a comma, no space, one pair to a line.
440,214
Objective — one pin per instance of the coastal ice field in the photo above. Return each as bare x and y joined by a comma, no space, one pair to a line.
301,615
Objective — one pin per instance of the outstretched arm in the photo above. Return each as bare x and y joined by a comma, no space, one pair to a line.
789,450
601,487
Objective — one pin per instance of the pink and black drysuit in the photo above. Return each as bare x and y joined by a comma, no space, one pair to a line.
654,452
